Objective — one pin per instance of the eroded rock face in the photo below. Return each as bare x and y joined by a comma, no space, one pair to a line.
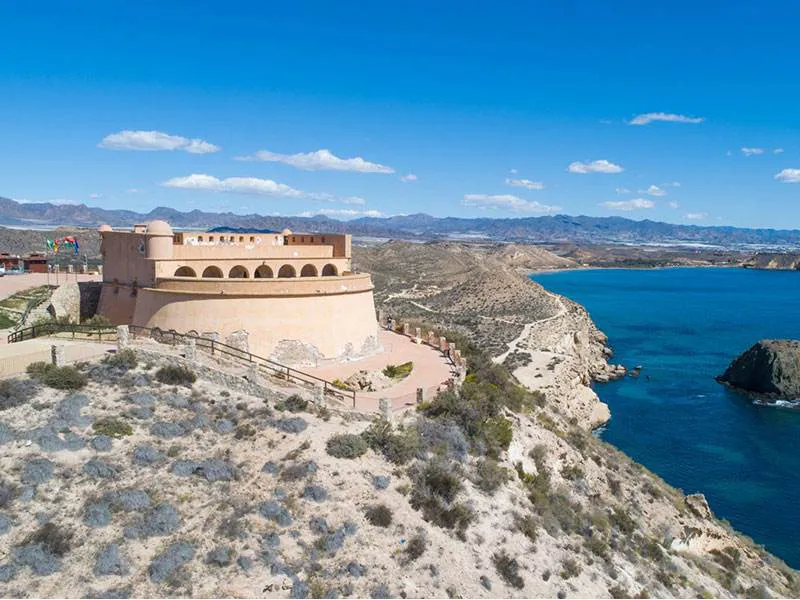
770,368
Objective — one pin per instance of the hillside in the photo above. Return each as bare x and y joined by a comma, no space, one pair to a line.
558,228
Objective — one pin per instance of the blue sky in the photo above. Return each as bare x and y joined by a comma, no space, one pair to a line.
493,109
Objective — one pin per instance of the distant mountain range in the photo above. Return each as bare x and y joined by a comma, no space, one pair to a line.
558,228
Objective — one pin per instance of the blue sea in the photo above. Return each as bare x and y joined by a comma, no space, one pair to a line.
684,326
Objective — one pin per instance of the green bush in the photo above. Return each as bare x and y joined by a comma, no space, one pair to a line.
112,427
295,403
175,375
435,487
38,369
98,321
14,392
346,445
341,385
528,526
572,472
399,371
379,515
570,568
620,519
397,447
416,546
60,378
125,359
490,475
508,569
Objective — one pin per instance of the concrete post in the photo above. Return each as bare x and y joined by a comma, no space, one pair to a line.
420,396
252,373
432,338
406,329
443,344
123,335
385,409
57,355
190,350
100,270
418,335
319,396
69,268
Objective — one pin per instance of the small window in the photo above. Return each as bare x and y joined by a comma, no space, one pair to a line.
241,239
211,238
323,240
199,238
252,239
233,238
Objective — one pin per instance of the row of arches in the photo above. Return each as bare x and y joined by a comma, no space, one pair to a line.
262,272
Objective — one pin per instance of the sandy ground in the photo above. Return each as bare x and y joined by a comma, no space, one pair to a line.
431,369
11,284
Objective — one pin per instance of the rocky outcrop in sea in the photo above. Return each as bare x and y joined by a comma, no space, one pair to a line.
769,369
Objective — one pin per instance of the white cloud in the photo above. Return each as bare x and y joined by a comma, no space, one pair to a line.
513,171
354,200
695,216
134,191
674,204
321,160
751,151
596,166
622,190
526,183
777,151
155,141
788,176
343,213
408,178
239,185
507,202
647,118
628,205
95,196
654,190
674,184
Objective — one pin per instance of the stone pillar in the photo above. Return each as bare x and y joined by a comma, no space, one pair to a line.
319,396
57,355
100,270
418,335
432,338
420,396
69,268
443,344
190,349
123,334
252,373
385,409
406,329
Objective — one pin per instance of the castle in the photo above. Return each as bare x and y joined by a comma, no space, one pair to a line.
293,297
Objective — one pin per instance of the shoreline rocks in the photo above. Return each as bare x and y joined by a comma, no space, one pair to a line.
768,369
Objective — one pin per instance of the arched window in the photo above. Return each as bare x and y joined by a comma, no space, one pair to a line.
212,272
238,272
308,271
185,272
329,271
287,271
263,272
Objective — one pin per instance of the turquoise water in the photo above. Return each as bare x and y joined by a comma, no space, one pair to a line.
684,326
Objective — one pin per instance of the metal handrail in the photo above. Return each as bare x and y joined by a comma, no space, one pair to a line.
172,337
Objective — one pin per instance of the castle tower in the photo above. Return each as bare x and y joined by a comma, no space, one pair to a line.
158,244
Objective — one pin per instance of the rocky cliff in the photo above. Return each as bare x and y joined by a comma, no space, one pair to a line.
777,261
770,368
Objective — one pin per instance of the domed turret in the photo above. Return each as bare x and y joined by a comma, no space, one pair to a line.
104,227
286,232
158,243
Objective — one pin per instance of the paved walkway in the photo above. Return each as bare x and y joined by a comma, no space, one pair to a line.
14,358
11,284
431,370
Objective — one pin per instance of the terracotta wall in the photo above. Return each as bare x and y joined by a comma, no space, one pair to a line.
124,260
333,324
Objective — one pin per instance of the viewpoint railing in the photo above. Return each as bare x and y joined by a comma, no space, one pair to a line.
108,333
